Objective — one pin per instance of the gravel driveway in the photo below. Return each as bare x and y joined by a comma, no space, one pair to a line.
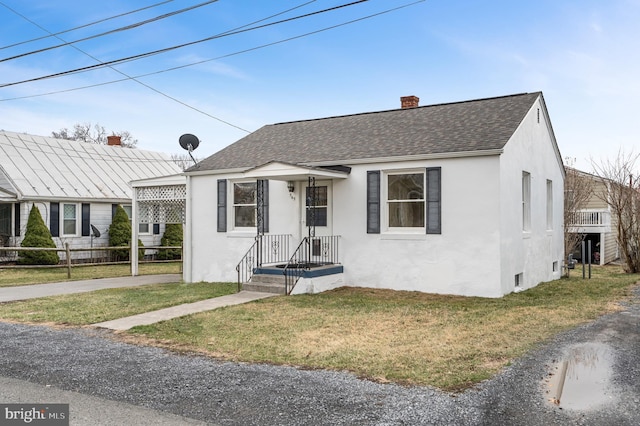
86,361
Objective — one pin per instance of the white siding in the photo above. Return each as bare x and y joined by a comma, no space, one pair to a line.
100,214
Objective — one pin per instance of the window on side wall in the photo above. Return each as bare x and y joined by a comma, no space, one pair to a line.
244,204
69,219
549,204
526,201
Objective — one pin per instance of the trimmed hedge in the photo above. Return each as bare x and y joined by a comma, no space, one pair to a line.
37,235
120,236
172,237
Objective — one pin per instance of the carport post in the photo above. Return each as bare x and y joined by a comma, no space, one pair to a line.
134,233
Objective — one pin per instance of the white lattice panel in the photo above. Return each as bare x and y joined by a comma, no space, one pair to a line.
167,211
169,192
161,204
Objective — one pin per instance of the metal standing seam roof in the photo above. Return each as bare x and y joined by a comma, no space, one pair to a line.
48,168
476,125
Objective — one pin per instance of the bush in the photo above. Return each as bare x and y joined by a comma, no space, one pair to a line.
172,237
120,236
37,235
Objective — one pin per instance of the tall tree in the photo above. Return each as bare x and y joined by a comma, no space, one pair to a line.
622,194
86,132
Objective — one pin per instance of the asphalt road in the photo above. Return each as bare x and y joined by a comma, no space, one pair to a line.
102,378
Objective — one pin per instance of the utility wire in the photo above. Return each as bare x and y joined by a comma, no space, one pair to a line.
127,77
156,52
116,30
221,57
79,27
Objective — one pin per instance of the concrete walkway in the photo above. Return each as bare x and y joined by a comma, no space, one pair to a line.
181,310
10,294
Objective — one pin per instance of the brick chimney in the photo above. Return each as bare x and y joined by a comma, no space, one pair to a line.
409,101
114,140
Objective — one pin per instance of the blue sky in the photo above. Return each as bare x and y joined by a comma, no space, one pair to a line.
582,54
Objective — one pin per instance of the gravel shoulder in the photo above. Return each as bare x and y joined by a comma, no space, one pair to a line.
89,362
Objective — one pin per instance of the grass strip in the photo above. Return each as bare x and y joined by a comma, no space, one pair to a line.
17,277
105,305
411,338
449,342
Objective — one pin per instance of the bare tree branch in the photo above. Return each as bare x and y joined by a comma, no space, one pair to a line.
86,132
622,195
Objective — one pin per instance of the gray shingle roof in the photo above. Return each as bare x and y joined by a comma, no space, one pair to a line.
476,125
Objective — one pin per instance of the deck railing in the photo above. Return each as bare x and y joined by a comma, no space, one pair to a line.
311,252
587,218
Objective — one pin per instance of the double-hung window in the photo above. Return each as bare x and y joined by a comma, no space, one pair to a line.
406,200
526,201
69,219
244,204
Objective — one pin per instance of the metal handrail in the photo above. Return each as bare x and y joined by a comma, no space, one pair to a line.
312,251
246,265
292,270
265,250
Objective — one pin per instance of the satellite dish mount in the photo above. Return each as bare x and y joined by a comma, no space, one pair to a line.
189,143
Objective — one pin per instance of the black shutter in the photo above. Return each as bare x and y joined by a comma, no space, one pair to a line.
434,225
16,219
373,202
114,207
263,214
54,219
156,229
86,219
222,205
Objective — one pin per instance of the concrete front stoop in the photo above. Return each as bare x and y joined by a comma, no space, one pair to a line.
266,283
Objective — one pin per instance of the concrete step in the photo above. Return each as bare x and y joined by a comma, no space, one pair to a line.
268,278
274,288
266,283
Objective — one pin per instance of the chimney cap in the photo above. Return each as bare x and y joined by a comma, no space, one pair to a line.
409,101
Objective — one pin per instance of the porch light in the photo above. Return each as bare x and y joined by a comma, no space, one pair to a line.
291,186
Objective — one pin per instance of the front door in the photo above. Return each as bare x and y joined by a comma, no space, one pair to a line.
317,218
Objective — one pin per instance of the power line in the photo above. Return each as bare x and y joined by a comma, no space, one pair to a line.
156,52
127,77
219,57
78,27
117,30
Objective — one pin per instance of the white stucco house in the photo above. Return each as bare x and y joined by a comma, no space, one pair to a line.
74,185
459,198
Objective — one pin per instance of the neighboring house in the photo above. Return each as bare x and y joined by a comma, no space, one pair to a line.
74,185
594,221
460,198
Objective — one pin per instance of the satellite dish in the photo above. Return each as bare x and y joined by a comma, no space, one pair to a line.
96,232
189,142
